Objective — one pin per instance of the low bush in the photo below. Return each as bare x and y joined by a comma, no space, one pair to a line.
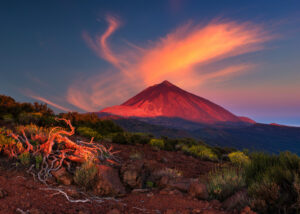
170,144
272,182
85,175
239,158
171,173
8,118
24,158
201,151
38,161
265,196
92,120
89,133
138,138
28,118
157,143
120,138
34,129
7,143
149,184
222,152
224,183
4,140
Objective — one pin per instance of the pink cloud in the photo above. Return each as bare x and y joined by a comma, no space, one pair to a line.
178,57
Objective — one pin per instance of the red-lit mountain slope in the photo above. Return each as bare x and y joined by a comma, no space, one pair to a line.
168,100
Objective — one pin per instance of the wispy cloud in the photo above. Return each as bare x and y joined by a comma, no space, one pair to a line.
44,100
178,57
100,43
90,93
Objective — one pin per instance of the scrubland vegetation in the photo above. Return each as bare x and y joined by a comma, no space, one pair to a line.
272,182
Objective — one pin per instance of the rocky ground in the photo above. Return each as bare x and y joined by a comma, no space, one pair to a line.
146,181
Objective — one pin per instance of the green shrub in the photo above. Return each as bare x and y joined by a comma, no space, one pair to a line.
171,173
222,152
201,151
224,183
33,129
4,139
265,196
279,168
139,138
120,138
89,133
9,118
85,175
170,144
38,161
157,143
29,117
296,185
7,142
239,158
187,142
149,184
271,182
24,158
92,120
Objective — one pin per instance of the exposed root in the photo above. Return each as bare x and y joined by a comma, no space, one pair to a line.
59,191
29,171
18,210
88,198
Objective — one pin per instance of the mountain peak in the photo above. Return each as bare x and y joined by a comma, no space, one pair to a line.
166,83
168,100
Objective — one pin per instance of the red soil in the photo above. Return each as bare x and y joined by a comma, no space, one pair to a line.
26,194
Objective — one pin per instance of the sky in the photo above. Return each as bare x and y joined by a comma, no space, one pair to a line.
87,55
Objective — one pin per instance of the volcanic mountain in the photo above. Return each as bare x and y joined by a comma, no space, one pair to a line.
168,100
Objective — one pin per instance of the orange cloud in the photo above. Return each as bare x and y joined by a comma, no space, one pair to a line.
178,57
180,51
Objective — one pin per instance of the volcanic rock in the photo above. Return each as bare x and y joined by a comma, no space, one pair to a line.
237,201
133,174
198,190
108,182
168,100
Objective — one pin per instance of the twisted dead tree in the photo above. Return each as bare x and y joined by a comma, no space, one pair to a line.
57,150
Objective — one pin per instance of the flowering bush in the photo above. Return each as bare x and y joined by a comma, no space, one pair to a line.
239,158
157,143
201,151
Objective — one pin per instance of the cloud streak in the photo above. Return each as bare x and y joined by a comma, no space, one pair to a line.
100,43
180,57
44,100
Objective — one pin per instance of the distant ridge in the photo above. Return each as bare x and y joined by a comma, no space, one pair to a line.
167,100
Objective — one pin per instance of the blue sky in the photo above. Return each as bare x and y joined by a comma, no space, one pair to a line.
51,51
